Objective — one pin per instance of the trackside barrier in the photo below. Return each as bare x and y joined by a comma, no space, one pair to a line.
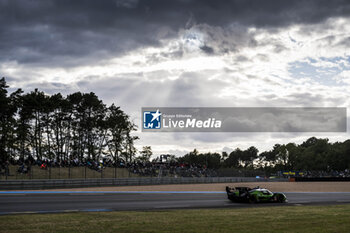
78,183
323,179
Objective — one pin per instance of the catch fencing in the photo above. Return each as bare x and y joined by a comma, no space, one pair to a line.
78,183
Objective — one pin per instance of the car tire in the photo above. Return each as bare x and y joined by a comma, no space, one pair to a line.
253,199
280,198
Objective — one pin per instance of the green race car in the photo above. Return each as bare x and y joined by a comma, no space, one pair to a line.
254,195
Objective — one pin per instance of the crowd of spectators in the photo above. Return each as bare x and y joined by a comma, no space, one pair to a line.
147,169
345,173
172,169
155,169
24,166
315,174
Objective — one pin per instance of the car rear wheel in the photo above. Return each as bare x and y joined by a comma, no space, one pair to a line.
253,199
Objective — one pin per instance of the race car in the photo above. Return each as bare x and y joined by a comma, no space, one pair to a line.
254,195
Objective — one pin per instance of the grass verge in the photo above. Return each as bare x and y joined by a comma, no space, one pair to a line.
334,218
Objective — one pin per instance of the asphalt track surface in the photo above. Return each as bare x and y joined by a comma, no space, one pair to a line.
68,201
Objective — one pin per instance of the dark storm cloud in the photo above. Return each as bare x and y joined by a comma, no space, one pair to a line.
207,49
67,33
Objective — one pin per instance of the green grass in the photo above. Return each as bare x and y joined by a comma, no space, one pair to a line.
261,219
66,173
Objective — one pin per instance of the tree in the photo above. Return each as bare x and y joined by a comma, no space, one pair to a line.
234,158
145,154
6,120
212,160
249,156
190,158
118,127
79,126
224,155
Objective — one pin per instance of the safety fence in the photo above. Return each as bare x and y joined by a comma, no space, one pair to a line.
85,172
82,172
77,183
319,179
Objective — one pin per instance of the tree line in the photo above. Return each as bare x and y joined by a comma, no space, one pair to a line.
77,126
80,126
314,154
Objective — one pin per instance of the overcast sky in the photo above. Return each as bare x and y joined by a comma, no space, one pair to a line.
183,53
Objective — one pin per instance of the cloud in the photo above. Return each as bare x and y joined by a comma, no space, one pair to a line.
343,77
127,3
182,53
81,32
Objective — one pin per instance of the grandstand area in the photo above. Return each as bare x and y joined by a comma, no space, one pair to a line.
74,169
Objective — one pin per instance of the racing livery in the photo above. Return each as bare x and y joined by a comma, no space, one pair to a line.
254,195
